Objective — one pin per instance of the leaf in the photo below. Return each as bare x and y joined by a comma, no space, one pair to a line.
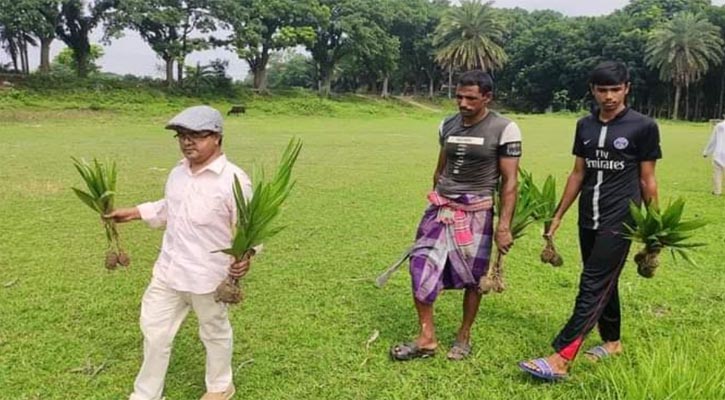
691,225
672,215
226,251
637,215
87,199
255,215
686,256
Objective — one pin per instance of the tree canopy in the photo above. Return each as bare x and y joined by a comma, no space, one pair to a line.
540,60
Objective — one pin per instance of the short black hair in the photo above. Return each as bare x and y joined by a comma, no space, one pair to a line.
609,73
478,78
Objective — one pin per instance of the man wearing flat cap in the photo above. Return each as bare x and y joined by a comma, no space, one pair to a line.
198,212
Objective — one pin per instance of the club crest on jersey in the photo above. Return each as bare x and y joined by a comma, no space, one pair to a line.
621,143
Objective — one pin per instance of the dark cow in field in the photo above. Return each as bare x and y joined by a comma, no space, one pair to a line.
237,109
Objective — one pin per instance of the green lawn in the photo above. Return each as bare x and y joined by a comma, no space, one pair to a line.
69,330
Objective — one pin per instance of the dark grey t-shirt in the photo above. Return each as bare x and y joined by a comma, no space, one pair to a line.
472,153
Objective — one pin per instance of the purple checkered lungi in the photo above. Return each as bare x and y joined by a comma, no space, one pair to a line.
436,263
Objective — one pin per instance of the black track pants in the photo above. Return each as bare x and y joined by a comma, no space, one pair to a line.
604,254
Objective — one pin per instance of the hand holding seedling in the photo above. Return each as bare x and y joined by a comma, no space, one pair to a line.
553,227
240,268
123,215
254,217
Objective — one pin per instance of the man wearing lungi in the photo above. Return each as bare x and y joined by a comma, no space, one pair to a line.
454,239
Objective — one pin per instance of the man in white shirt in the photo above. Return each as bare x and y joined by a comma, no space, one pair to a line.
199,212
716,148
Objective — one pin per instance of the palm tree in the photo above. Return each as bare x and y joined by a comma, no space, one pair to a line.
15,43
468,37
683,49
9,45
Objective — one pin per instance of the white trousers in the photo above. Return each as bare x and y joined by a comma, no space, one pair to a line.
717,174
162,311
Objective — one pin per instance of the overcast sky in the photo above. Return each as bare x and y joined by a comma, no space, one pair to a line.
130,55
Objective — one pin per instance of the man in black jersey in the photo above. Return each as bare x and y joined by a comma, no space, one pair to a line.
616,149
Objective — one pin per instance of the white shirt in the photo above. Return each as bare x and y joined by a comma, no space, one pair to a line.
716,146
199,213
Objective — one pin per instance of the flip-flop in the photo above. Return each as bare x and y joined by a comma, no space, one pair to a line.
598,353
541,369
459,351
409,351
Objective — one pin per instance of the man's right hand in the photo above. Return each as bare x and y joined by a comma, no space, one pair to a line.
124,214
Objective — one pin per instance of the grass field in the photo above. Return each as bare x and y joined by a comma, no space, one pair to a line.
69,330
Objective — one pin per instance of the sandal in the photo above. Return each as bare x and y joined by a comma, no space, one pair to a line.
459,351
597,353
410,351
540,368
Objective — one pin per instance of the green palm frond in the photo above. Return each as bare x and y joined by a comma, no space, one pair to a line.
100,180
527,206
469,36
545,198
255,215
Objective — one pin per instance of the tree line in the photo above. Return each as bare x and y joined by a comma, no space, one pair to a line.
540,59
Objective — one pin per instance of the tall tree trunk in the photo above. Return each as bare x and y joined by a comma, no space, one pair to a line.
23,50
325,82
696,113
45,54
14,58
431,84
81,53
180,69
182,57
327,85
260,70
450,82
384,94
12,49
82,60
260,79
169,60
676,106
687,102
27,59
722,95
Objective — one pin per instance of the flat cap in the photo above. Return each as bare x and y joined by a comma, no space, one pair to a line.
198,119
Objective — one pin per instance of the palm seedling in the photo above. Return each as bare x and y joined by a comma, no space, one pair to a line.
526,207
659,230
100,179
255,216
546,199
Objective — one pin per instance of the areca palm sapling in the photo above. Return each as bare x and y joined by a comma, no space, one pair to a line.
546,199
524,211
100,179
659,230
255,216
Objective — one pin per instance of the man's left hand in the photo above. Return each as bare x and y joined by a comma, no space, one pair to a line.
239,268
504,240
